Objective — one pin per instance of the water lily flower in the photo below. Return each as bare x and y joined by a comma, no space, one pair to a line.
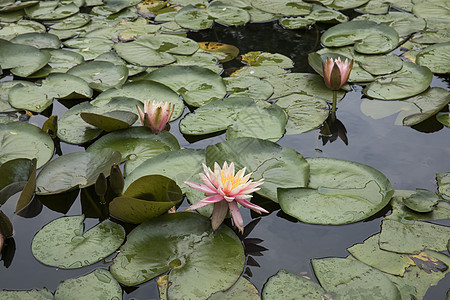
156,115
225,190
336,72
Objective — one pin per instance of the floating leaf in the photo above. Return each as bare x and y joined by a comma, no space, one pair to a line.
73,170
437,31
194,18
146,198
435,57
23,140
412,236
14,175
258,58
61,243
431,9
200,262
23,60
240,116
409,81
43,294
204,60
110,121
339,192
283,7
248,86
224,52
11,30
197,85
259,71
227,14
286,285
443,118
89,47
279,167
137,144
75,21
347,4
38,40
62,60
51,10
95,285
443,180
422,201
368,37
296,22
241,289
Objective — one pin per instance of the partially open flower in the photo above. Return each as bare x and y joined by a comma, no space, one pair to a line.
156,115
226,190
336,72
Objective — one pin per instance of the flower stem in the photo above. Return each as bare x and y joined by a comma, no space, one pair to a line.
333,108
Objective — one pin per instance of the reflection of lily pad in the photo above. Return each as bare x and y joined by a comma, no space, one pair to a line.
240,116
339,192
183,244
280,167
61,243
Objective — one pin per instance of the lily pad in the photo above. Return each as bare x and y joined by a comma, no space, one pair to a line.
204,60
51,10
248,86
23,60
444,118
436,57
110,121
352,279
227,14
368,37
95,285
286,285
259,71
437,31
347,4
280,167
197,85
412,236
339,192
23,140
61,243
240,116
75,21
224,52
409,81
283,7
136,144
443,181
146,198
62,60
432,9
89,47
14,175
75,170
194,18
422,201
304,112
296,22
259,58
43,294
184,244
11,30
38,98
242,288
38,40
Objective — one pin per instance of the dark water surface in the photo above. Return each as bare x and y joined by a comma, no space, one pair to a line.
409,157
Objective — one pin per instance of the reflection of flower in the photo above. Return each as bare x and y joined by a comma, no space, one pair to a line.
156,115
226,190
336,72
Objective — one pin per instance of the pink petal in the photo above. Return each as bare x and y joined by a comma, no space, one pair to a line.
207,182
210,174
219,213
251,206
236,215
205,201
201,187
141,114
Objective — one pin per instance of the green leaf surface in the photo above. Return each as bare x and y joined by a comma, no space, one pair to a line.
23,60
280,167
443,118
432,9
248,86
204,60
283,7
61,243
14,175
347,4
200,262
11,30
443,181
242,289
73,170
89,47
339,192
194,18
110,121
227,14
75,21
436,58
422,201
51,10
38,40
43,294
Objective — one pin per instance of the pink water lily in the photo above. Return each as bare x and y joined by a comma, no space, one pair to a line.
336,72
225,190
156,115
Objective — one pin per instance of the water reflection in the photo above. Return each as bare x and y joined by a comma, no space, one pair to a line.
331,129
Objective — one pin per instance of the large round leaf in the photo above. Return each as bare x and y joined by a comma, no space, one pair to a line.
144,90
242,288
248,86
278,166
43,294
146,198
72,22
89,47
136,145
197,85
204,60
194,18
110,121
435,57
61,243
38,40
409,81
143,54
11,30
77,169
101,75
432,9
51,10
227,14
99,284
200,261
368,37
339,192
352,279
240,116
23,140
283,7
259,58
62,60
23,60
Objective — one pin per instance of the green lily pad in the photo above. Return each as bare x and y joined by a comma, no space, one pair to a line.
435,57
146,198
101,75
347,4
259,58
368,37
422,201
240,116
51,10
280,167
194,18
23,140
432,9
6,86
61,243
137,144
184,244
283,7
259,71
144,90
409,81
248,86
304,112
14,175
443,118
75,170
75,21
90,48
62,60
339,192
204,60
43,294
28,191
286,285
227,14
412,236
15,5
110,121
375,7
352,279
115,59
437,31
197,85
223,52
370,253
115,6
11,30
38,40
242,288
443,181
95,285
23,60
38,98
296,22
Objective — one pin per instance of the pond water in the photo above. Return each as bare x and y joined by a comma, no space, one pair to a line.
409,157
